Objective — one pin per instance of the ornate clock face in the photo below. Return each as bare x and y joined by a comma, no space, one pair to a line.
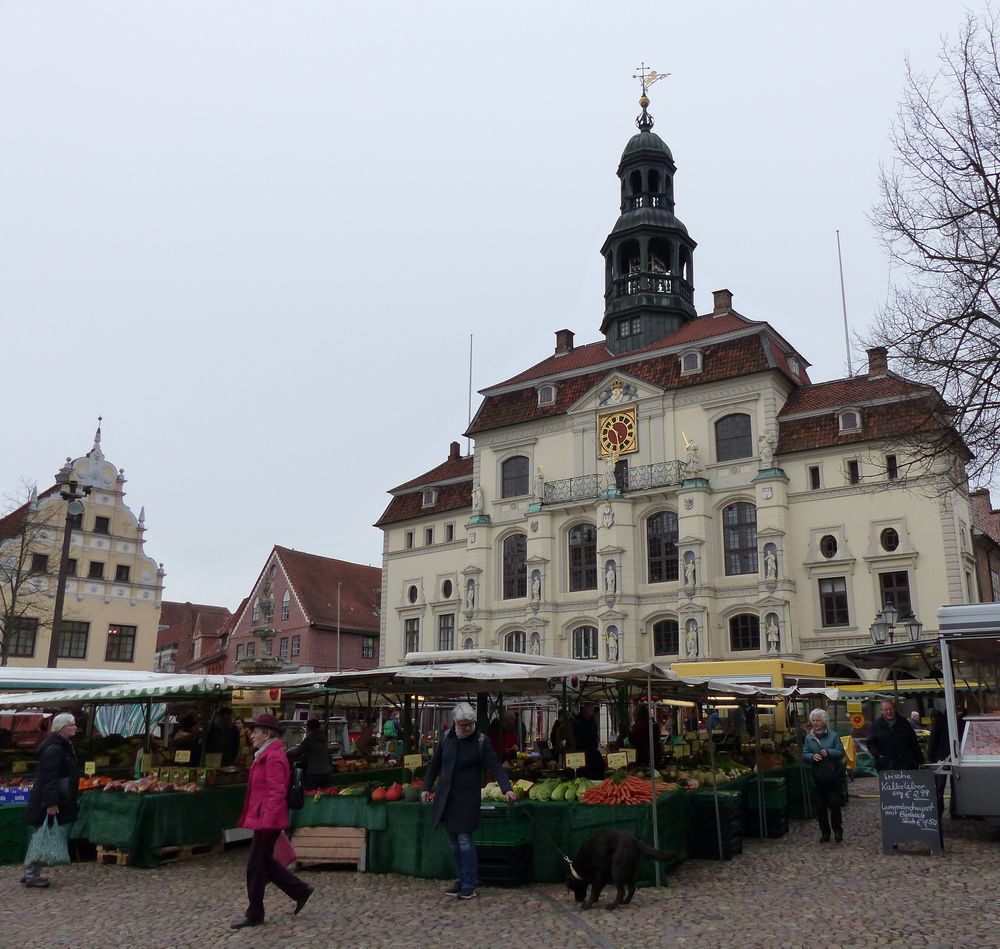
617,433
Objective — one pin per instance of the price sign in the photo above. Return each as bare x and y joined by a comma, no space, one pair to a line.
182,756
90,767
102,761
630,755
617,759
20,767
853,708
412,761
213,760
690,736
576,759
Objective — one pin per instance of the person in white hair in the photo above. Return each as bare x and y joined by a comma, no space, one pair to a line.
53,796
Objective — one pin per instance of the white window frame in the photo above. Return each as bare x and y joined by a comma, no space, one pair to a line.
694,370
549,388
844,421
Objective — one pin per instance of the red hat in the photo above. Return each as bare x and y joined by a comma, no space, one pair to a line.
267,721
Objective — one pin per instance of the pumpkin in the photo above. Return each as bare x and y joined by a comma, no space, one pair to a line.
395,793
378,794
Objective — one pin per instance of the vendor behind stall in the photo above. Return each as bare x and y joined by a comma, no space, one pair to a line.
187,737
314,753
639,738
506,737
223,737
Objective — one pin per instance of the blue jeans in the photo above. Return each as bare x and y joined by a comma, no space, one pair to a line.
464,848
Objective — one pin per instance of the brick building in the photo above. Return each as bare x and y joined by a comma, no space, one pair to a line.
191,638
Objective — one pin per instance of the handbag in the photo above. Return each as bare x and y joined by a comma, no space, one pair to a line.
296,796
49,846
828,773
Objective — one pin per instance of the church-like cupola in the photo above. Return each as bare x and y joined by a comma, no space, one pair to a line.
648,256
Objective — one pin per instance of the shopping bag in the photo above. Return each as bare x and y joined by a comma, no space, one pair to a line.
49,846
284,852
296,796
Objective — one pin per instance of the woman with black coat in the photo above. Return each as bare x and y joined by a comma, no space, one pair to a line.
460,758
53,796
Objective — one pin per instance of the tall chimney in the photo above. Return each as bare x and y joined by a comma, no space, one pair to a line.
455,453
878,361
564,342
722,302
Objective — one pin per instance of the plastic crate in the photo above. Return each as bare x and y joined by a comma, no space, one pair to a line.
11,815
506,865
503,827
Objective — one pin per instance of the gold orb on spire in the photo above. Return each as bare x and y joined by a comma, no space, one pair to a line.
644,101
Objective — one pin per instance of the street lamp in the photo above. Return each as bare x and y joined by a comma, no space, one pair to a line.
73,492
884,627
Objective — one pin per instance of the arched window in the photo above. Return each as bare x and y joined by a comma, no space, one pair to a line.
661,546
286,605
744,632
515,566
739,538
666,638
628,259
514,641
732,437
514,477
583,557
654,181
469,643
585,642
635,182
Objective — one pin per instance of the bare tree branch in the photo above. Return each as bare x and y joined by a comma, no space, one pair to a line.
939,215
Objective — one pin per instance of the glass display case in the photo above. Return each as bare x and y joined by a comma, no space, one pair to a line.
981,741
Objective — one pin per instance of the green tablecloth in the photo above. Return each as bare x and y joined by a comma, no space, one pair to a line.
141,824
336,811
409,845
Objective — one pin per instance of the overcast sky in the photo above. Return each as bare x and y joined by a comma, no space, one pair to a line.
257,236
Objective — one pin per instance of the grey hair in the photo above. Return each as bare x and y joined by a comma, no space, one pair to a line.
819,713
61,721
464,711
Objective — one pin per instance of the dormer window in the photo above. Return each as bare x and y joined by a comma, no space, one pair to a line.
430,497
793,366
546,395
850,421
690,362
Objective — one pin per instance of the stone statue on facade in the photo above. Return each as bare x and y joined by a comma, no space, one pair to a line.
692,466
689,573
612,645
539,488
610,579
770,565
765,448
773,635
477,499
691,639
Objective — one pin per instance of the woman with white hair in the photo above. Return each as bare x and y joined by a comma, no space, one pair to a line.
460,758
823,750
53,796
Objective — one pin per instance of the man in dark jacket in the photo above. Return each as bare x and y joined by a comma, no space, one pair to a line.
460,758
314,753
53,796
586,737
893,743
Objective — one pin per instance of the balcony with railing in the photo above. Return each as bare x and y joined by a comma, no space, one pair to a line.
664,474
652,281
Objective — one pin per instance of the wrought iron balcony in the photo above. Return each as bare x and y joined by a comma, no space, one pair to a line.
640,478
650,282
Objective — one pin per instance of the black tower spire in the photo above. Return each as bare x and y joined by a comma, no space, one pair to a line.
648,256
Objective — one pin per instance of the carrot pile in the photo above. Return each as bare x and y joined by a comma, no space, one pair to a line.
632,790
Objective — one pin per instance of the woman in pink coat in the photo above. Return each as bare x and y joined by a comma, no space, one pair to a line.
265,812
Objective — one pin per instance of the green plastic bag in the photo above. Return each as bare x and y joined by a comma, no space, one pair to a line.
49,845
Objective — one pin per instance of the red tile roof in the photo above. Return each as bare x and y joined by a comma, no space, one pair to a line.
181,623
885,420
854,391
12,524
314,580
451,497
985,518
723,359
449,470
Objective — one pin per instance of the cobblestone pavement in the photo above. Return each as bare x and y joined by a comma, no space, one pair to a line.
791,892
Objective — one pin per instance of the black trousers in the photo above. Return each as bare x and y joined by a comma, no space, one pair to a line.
262,869
828,810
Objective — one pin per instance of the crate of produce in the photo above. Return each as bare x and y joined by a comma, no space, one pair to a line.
503,827
506,865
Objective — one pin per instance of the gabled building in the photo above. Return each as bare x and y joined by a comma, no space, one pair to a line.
986,542
113,590
324,614
678,488
190,636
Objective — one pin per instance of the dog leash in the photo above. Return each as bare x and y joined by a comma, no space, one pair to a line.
555,846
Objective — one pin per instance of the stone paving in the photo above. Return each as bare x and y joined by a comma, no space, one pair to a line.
781,894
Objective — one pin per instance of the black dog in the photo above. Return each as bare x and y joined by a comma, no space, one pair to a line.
611,856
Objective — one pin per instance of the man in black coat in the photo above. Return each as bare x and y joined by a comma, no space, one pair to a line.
587,738
893,743
53,795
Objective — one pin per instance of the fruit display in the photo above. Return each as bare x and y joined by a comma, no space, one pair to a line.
349,765
151,784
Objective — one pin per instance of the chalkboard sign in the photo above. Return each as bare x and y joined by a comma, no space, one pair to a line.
909,810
